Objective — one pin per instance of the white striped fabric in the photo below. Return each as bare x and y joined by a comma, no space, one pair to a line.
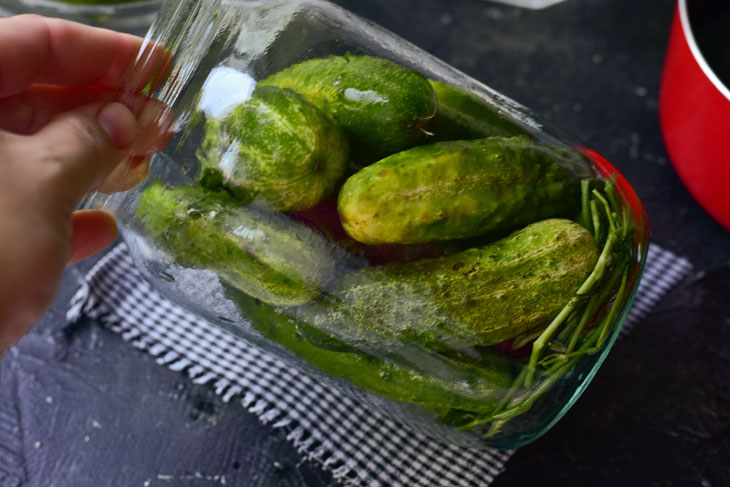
361,446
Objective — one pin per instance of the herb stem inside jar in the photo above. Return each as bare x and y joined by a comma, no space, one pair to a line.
551,358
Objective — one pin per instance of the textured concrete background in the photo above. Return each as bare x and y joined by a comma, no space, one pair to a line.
78,407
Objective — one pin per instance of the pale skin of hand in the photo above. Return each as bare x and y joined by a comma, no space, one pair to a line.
60,137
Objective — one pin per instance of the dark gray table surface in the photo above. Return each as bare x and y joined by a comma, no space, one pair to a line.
79,407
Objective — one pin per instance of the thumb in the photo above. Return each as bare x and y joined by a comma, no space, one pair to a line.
78,149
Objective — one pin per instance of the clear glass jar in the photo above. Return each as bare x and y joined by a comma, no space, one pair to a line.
320,199
126,15
536,4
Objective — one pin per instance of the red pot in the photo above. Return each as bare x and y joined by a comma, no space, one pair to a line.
694,108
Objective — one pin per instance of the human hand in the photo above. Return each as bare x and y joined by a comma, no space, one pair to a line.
60,136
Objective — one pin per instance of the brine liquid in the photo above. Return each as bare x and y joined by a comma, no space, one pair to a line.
710,21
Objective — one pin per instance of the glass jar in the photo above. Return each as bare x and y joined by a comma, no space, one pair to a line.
343,199
127,15
535,4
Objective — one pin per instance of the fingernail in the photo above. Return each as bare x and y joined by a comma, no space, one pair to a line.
119,123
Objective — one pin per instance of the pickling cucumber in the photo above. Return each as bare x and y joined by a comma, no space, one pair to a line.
276,148
459,189
383,107
472,384
481,296
264,254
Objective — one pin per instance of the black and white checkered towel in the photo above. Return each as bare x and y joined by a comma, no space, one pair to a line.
360,446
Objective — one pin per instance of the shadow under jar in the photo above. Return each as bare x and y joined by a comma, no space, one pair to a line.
339,197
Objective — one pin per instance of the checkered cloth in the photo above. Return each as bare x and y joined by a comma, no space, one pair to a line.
361,446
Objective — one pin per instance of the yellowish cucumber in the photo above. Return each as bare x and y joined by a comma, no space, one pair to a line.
453,190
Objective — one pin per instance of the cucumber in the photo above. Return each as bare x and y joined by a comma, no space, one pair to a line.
475,385
262,253
463,116
276,148
481,296
383,107
453,190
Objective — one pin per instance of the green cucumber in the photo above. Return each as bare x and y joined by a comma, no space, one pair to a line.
453,190
481,296
383,107
276,148
463,116
476,385
262,253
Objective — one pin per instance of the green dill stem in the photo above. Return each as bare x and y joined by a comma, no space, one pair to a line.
562,337
588,347
599,335
615,307
596,221
560,363
594,303
609,188
542,340
587,313
546,335
585,189
512,392
551,359
525,339
609,215
494,428
600,268
617,304
626,222
554,373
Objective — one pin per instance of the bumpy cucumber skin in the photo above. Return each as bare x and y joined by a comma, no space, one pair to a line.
261,253
480,296
458,189
276,147
462,116
469,385
383,107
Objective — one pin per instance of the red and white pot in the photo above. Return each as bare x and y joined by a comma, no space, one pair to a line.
694,108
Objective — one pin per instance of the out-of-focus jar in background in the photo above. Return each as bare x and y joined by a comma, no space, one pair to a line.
536,4
128,15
